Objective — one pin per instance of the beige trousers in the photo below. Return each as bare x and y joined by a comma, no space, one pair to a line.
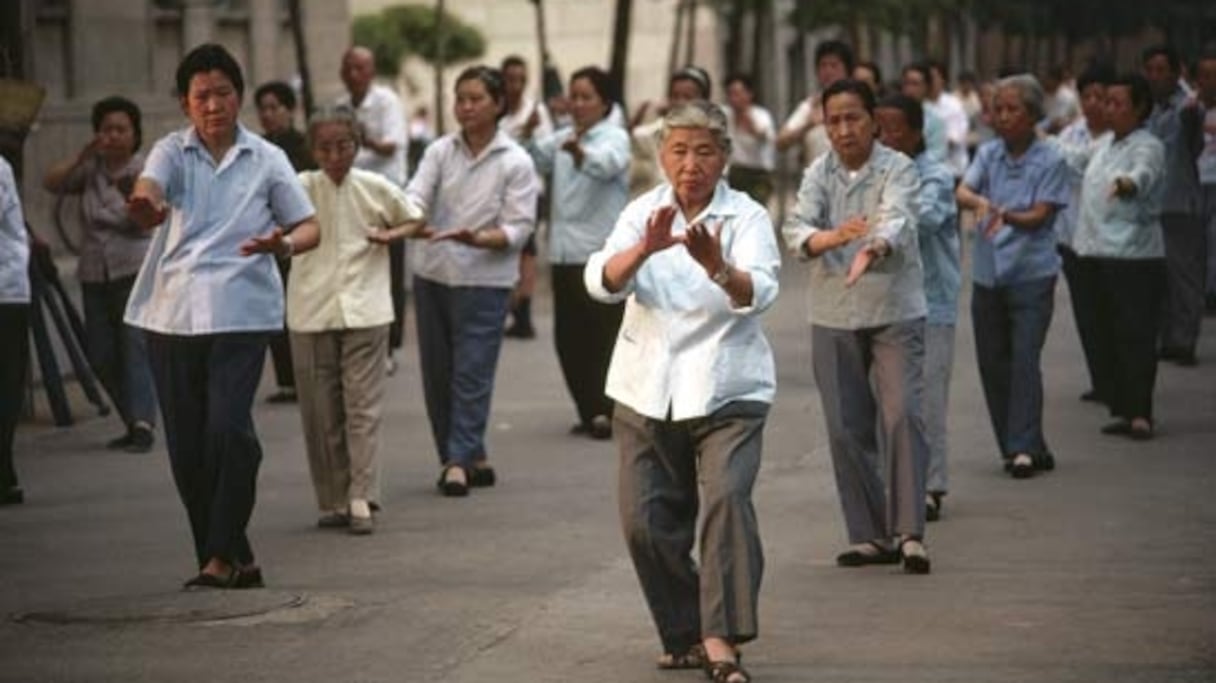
340,383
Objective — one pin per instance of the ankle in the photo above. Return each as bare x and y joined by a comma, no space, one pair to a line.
360,508
719,649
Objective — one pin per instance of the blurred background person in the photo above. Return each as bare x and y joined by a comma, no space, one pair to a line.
1205,81
1061,106
949,108
834,61
14,327
914,83
112,248
684,86
589,167
871,75
753,140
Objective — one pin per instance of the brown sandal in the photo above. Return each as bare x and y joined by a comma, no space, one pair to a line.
692,658
727,672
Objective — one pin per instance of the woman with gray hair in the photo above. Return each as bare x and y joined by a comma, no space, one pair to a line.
692,374
1015,185
339,307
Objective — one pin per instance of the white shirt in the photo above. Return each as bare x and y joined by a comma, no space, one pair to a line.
497,188
14,245
513,122
344,282
684,350
952,113
816,142
383,117
753,150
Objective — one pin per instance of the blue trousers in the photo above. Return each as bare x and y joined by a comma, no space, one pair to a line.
117,351
1010,324
206,386
459,336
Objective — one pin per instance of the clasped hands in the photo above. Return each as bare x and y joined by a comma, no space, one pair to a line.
852,229
704,244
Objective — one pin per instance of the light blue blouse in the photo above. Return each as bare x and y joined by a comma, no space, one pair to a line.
937,233
1118,227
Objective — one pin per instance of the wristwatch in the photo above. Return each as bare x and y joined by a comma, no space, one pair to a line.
722,276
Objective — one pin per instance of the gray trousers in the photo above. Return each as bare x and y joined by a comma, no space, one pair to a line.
939,359
871,381
340,382
661,464
1186,255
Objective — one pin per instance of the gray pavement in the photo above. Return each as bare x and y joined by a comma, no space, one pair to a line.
1104,570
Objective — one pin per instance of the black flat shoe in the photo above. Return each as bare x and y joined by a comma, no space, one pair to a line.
204,580
915,559
1092,396
482,476
1021,466
1136,433
933,506
601,428
861,558
120,443
452,488
248,577
1118,428
12,495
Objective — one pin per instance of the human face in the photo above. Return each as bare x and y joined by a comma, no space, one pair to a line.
683,91
358,70
475,110
894,131
212,104
1010,117
830,69
116,137
1093,105
1121,114
1205,80
738,96
274,117
334,148
515,79
865,75
913,85
850,128
586,105
693,163
938,84
1161,78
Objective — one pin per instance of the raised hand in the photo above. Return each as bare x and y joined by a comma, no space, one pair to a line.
861,263
461,235
145,213
658,231
705,246
852,229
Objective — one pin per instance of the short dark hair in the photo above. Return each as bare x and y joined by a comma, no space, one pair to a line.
205,58
104,107
492,79
281,91
850,86
912,109
1141,92
695,74
512,60
865,64
969,77
1100,73
600,81
1163,50
941,68
1207,54
921,68
839,49
742,79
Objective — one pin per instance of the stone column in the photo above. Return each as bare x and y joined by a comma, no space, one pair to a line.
110,47
263,35
198,23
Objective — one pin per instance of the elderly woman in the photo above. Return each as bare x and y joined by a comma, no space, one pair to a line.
693,377
339,307
855,223
589,164
1119,229
478,189
112,248
1015,185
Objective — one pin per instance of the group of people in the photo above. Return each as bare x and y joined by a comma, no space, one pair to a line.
221,242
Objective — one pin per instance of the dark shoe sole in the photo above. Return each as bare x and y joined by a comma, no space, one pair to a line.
856,558
482,477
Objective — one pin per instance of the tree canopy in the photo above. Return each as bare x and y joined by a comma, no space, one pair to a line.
402,30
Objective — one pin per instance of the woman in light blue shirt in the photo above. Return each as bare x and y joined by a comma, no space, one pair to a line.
1016,184
589,164
1119,229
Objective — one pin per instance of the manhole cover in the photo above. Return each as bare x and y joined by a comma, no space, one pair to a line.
179,607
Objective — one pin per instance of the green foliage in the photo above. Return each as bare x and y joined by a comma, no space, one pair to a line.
403,30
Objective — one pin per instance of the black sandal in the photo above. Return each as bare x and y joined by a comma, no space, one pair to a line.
692,658
860,558
727,672
452,488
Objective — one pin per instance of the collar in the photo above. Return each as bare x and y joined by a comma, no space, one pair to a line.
879,156
499,142
721,205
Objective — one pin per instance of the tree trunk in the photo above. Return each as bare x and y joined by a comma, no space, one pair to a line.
734,38
677,32
440,44
690,44
762,34
296,16
620,47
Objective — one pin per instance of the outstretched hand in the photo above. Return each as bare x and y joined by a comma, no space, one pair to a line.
145,213
861,263
271,243
705,246
658,231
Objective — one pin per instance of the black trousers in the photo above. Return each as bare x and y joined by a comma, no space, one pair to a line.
280,343
206,386
1129,297
396,278
584,331
1081,274
14,360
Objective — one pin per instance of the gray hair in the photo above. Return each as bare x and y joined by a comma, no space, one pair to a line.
698,114
1029,92
340,114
